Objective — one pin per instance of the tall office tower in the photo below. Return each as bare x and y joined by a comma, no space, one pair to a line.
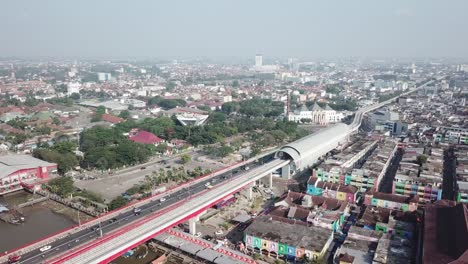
413,68
258,60
13,75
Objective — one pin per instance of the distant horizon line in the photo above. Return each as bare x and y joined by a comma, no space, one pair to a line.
232,58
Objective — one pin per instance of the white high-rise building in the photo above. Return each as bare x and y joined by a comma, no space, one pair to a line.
258,60
104,76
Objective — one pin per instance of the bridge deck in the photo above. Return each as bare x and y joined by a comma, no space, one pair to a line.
108,247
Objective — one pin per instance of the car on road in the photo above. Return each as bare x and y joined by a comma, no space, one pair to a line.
45,248
198,234
208,238
219,232
14,258
142,168
112,220
162,199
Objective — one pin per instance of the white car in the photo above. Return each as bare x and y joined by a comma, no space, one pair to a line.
45,248
162,199
198,234
219,232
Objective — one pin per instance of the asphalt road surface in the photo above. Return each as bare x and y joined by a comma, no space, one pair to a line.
62,245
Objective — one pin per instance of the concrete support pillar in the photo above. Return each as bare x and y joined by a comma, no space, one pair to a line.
193,224
270,181
267,181
286,172
250,191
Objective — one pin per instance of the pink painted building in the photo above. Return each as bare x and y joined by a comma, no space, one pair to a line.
17,171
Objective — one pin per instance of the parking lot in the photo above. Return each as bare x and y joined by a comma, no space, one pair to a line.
112,184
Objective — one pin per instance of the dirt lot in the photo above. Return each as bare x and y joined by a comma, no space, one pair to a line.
113,185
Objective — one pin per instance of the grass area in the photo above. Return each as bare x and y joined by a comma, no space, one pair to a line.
90,196
257,202
226,225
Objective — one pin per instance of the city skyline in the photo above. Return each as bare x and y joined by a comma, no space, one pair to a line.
240,29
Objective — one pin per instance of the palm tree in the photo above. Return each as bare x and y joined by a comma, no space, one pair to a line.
149,181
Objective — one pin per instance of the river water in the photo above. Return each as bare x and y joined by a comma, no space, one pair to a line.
40,222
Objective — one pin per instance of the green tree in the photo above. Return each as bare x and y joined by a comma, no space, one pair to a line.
16,139
217,117
65,161
278,135
223,151
230,107
75,96
100,110
184,159
18,123
43,130
125,114
117,203
157,126
64,147
62,186
161,148
333,89
170,86
421,159
56,121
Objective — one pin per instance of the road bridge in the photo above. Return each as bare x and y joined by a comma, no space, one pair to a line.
104,238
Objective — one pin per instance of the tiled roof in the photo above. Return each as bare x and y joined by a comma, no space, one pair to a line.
112,119
145,137
445,233
396,198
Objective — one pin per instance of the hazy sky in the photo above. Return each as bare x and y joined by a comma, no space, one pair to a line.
231,28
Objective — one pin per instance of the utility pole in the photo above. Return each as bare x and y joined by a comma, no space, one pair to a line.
100,229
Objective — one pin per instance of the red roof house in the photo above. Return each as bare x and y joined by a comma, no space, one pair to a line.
112,119
145,137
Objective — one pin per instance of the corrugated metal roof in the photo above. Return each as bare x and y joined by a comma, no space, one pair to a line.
314,144
11,163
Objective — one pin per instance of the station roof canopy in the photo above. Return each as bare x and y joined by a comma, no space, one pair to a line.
313,145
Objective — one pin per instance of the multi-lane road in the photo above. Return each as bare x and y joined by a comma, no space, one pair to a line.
360,113
82,237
